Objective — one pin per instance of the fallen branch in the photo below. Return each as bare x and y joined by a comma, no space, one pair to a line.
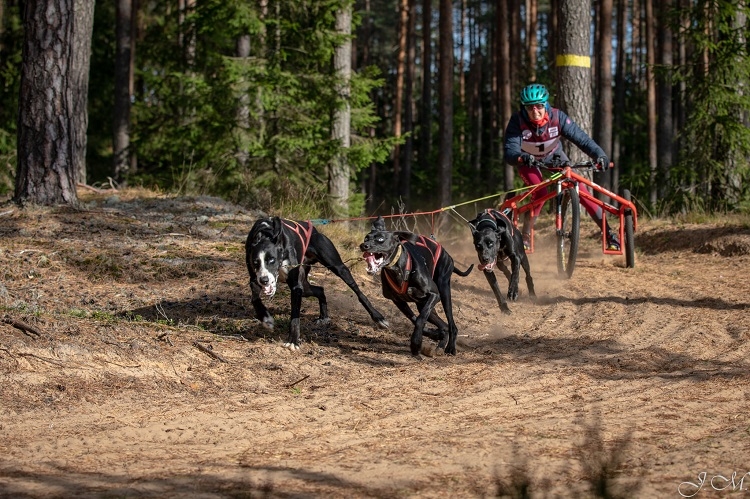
94,189
291,385
210,352
22,326
51,361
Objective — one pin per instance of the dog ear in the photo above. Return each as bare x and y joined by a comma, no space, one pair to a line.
473,225
378,224
276,229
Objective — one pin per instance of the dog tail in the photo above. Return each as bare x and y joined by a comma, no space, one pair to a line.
465,273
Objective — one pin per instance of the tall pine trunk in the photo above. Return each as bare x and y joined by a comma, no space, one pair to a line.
665,126
121,109
574,66
51,127
445,104
651,103
338,171
603,114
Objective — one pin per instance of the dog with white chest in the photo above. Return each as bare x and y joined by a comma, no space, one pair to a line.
284,250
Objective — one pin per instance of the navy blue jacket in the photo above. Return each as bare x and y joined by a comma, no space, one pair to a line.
522,136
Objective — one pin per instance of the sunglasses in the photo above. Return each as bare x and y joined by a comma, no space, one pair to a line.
531,107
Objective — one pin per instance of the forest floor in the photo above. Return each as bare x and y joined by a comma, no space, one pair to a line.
131,366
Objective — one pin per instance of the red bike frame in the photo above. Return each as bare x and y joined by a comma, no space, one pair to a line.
522,203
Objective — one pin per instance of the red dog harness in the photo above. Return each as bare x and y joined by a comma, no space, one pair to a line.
499,214
303,233
435,250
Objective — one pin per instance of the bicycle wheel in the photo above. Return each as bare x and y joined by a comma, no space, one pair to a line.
570,231
629,237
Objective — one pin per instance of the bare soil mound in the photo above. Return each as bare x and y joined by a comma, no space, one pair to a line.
132,366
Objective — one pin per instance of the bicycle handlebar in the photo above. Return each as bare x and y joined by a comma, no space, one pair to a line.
557,165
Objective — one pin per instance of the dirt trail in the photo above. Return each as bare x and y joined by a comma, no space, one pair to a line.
639,376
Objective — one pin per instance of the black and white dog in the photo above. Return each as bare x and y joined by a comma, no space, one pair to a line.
496,238
279,249
416,269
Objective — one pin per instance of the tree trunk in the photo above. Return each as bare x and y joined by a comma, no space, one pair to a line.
425,113
574,66
665,131
504,88
651,103
338,173
49,124
80,64
603,119
622,27
403,27
532,9
445,104
405,181
121,108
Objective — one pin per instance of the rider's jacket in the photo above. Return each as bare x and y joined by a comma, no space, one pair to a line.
543,142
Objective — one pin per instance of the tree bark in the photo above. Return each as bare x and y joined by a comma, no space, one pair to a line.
338,174
398,100
532,9
83,11
574,66
622,27
504,89
445,104
121,108
665,131
50,150
425,113
603,119
406,167
651,103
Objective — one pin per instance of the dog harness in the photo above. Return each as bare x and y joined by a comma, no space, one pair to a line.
496,215
303,233
435,249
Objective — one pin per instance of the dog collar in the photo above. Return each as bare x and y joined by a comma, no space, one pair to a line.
396,256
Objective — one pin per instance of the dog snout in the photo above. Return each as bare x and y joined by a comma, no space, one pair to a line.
263,280
364,247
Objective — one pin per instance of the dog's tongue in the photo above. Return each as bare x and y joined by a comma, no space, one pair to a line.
487,266
371,261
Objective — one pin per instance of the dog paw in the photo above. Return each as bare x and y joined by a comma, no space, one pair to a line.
506,310
513,295
383,324
291,346
267,323
321,321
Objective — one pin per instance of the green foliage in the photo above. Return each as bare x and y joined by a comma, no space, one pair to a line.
188,129
713,173
10,79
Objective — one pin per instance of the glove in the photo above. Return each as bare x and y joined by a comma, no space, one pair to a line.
526,159
602,163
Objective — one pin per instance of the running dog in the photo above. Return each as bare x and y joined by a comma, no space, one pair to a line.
495,239
279,249
416,269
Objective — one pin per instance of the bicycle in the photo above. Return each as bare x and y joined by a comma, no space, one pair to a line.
567,196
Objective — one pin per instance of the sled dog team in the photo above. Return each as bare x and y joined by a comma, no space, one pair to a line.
413,269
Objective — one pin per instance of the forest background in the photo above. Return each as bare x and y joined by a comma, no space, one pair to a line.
403,101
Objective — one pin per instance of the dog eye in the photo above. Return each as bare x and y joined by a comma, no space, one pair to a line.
380,239
271,260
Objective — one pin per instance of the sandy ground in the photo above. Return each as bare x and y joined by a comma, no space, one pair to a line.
631,380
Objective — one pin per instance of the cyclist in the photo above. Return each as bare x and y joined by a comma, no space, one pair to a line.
533,133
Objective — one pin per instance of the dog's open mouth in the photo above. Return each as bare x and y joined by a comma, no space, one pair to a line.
374,261
487,267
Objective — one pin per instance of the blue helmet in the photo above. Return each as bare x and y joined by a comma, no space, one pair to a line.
534,94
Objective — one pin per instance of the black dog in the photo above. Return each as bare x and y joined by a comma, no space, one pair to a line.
278,248
496,238
414,269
